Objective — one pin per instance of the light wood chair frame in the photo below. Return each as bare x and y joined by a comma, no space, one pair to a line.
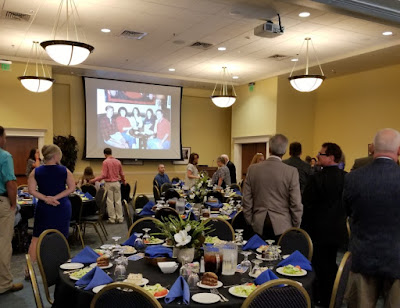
273,283
224,221
306,235
40,263
155,220
339,273
348,227
35,287
125,204
158,191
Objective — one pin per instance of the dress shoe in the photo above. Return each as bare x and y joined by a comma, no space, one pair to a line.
16,287
111,221
120,221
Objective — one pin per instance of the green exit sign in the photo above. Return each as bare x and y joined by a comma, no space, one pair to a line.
5,67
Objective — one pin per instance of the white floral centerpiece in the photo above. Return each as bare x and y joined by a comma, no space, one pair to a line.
200,189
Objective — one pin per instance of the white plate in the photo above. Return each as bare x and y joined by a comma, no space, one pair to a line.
71,266
255,276
98,288
285,256
204,286
157,297
206,298
107,246
110,265
166,245
259,257
261,251
231,291
143,283
156,243
130,252
279,270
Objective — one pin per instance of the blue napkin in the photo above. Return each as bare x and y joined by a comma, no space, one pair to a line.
23,194
156,251
296,258
233,215
188,206
214,204
175,182
34,201
87,255
180,288
237,192
94,278
265,277
89,196
147,209
254,242
130,241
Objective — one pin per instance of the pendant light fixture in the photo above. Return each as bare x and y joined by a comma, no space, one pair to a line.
307,82
36,83
67,52
224,99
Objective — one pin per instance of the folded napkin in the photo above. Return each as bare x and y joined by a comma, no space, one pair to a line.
175,182
233,215
265,277
87,255
254,242
188,206
214,204
130,241
156,251
237,192
89,196
296,258
34,201
180,288
23,194
147,209
94,278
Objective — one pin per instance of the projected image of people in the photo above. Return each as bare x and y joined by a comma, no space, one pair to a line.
162,128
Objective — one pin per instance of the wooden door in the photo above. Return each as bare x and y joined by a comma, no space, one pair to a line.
248,151
19,147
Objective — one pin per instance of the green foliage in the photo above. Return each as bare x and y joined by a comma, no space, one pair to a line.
69,149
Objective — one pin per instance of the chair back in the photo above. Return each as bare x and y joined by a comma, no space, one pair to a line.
101,201
171,193
34,284
146,222
155,183
22,186
156,193
134,190
140,201
216,194
296,239
125,295
165,187
348,227
125,192
52,250
221,228
127,214
236,187
89,188
340,284
239,222
76,206
165,212
175,180
272,295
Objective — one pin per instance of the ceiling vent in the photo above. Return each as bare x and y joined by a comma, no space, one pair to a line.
201,45
133,35
15,16
278,57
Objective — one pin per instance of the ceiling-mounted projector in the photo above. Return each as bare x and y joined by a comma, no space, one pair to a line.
269,29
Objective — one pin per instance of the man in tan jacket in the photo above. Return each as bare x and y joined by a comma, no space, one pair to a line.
271,194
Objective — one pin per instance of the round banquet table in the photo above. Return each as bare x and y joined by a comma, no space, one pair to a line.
67,295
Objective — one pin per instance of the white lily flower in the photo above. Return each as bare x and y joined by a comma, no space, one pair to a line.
188,228
192,196
182,238
199,185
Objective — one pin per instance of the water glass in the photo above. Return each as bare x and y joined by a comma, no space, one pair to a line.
120,271
229,261
180,206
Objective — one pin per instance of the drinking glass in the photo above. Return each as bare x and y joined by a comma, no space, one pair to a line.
138,244
146,236
256,267
229,261
120,270
185,269
180,206
246,262
193,278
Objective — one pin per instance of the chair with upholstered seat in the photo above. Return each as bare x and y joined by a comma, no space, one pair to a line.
340,284
134,190
216,194
89,188
165,212
239,222
125,295
164,187
156,193
52,250
140,201
296,239
278,293
139,225
76,215
348,227
127,214
34,284
235,187
221,228
171,193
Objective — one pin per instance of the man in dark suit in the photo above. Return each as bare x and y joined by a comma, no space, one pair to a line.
231,167
295,161
325,219
363,161
372,197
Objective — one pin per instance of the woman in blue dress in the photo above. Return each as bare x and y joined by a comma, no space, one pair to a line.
50,184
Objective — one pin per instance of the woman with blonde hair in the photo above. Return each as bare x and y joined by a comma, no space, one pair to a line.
54,183
258,157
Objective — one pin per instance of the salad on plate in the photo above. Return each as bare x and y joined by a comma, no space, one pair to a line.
153,240
157,290
80,273
243,290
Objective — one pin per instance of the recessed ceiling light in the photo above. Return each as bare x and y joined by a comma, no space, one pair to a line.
221,48
171,69
387,33
294,59
105,30
235,77
304,14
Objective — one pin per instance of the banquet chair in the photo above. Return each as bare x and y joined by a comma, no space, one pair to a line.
239,222
216,194
120,294
101,201
134,190
140,224
166,212
75,222
155,183
165,187
34,284
20,187
272,295
175,180
127,214
221,228
340,284
171,193
140,202
52,250
296,239
348,227
125,192
156,193
89,188
235,186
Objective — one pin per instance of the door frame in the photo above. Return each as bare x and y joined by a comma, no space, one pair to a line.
26,132
237,148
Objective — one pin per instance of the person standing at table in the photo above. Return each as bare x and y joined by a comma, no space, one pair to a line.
221,177
192,173
257,158
161,176
8,205
112,173
50,184
33,161
371,196
271,194
301,166
325,218
231,167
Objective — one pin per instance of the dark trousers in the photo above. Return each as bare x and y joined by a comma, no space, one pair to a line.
324,264
268,231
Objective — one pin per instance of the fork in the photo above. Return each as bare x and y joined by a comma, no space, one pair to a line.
223,298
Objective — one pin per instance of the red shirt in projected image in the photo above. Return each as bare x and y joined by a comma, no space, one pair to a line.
122,122
107,127
164,127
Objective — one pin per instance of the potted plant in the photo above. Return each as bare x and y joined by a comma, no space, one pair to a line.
69,149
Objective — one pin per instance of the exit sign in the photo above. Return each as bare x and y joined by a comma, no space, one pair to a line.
5,67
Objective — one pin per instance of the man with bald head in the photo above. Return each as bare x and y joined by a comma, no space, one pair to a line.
231,167
161,176
371,196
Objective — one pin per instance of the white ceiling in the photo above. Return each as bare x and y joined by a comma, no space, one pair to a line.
173,25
